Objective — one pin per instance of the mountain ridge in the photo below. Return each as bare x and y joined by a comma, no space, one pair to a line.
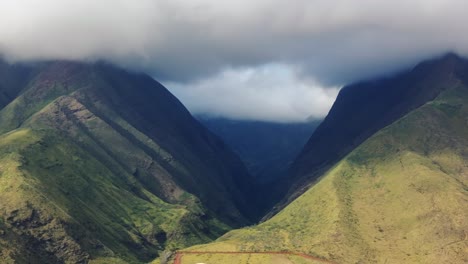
398,197
371,110
160,179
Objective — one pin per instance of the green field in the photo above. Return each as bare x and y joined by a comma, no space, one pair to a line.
245,259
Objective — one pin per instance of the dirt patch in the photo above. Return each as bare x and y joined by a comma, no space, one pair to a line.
277,259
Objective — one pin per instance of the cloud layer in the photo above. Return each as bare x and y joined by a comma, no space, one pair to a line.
271,93
333,42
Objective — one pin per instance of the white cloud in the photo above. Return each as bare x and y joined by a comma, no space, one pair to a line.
270,92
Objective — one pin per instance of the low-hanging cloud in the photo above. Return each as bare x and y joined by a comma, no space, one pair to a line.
236,93
333,42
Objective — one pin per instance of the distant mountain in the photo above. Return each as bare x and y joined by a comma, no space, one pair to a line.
267,148
400,192
101,164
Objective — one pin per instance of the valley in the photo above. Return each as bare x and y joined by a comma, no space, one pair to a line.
233,132
399,197
92,172
246,257
266,148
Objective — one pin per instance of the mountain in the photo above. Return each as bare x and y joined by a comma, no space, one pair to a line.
266,148
398,197
364,108
98,164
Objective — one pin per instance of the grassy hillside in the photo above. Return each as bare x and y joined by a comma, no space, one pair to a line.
364,108
102,165
246,259
400,197
72,203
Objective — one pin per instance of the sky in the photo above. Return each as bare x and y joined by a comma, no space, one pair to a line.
271,60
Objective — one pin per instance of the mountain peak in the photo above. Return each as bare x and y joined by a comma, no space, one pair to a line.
447,63
373,105
102,145
451,56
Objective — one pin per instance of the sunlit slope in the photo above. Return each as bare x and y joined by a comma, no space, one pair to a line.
247,259
146,115
400,197
100,164
56,197
364,108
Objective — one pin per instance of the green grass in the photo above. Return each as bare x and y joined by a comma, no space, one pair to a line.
245,259
400,197
96,210
90,189
81,179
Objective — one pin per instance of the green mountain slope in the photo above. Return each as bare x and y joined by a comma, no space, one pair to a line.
101,164
400,197
364,108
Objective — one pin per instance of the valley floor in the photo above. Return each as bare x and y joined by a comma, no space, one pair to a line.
246,258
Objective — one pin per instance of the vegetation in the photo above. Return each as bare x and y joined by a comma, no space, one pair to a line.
363,109
246,259
101,213
99,165
400,197
92,171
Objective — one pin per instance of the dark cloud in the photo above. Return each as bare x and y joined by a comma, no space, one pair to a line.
190,42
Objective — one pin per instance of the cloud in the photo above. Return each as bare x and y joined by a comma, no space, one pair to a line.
271,92
333,42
